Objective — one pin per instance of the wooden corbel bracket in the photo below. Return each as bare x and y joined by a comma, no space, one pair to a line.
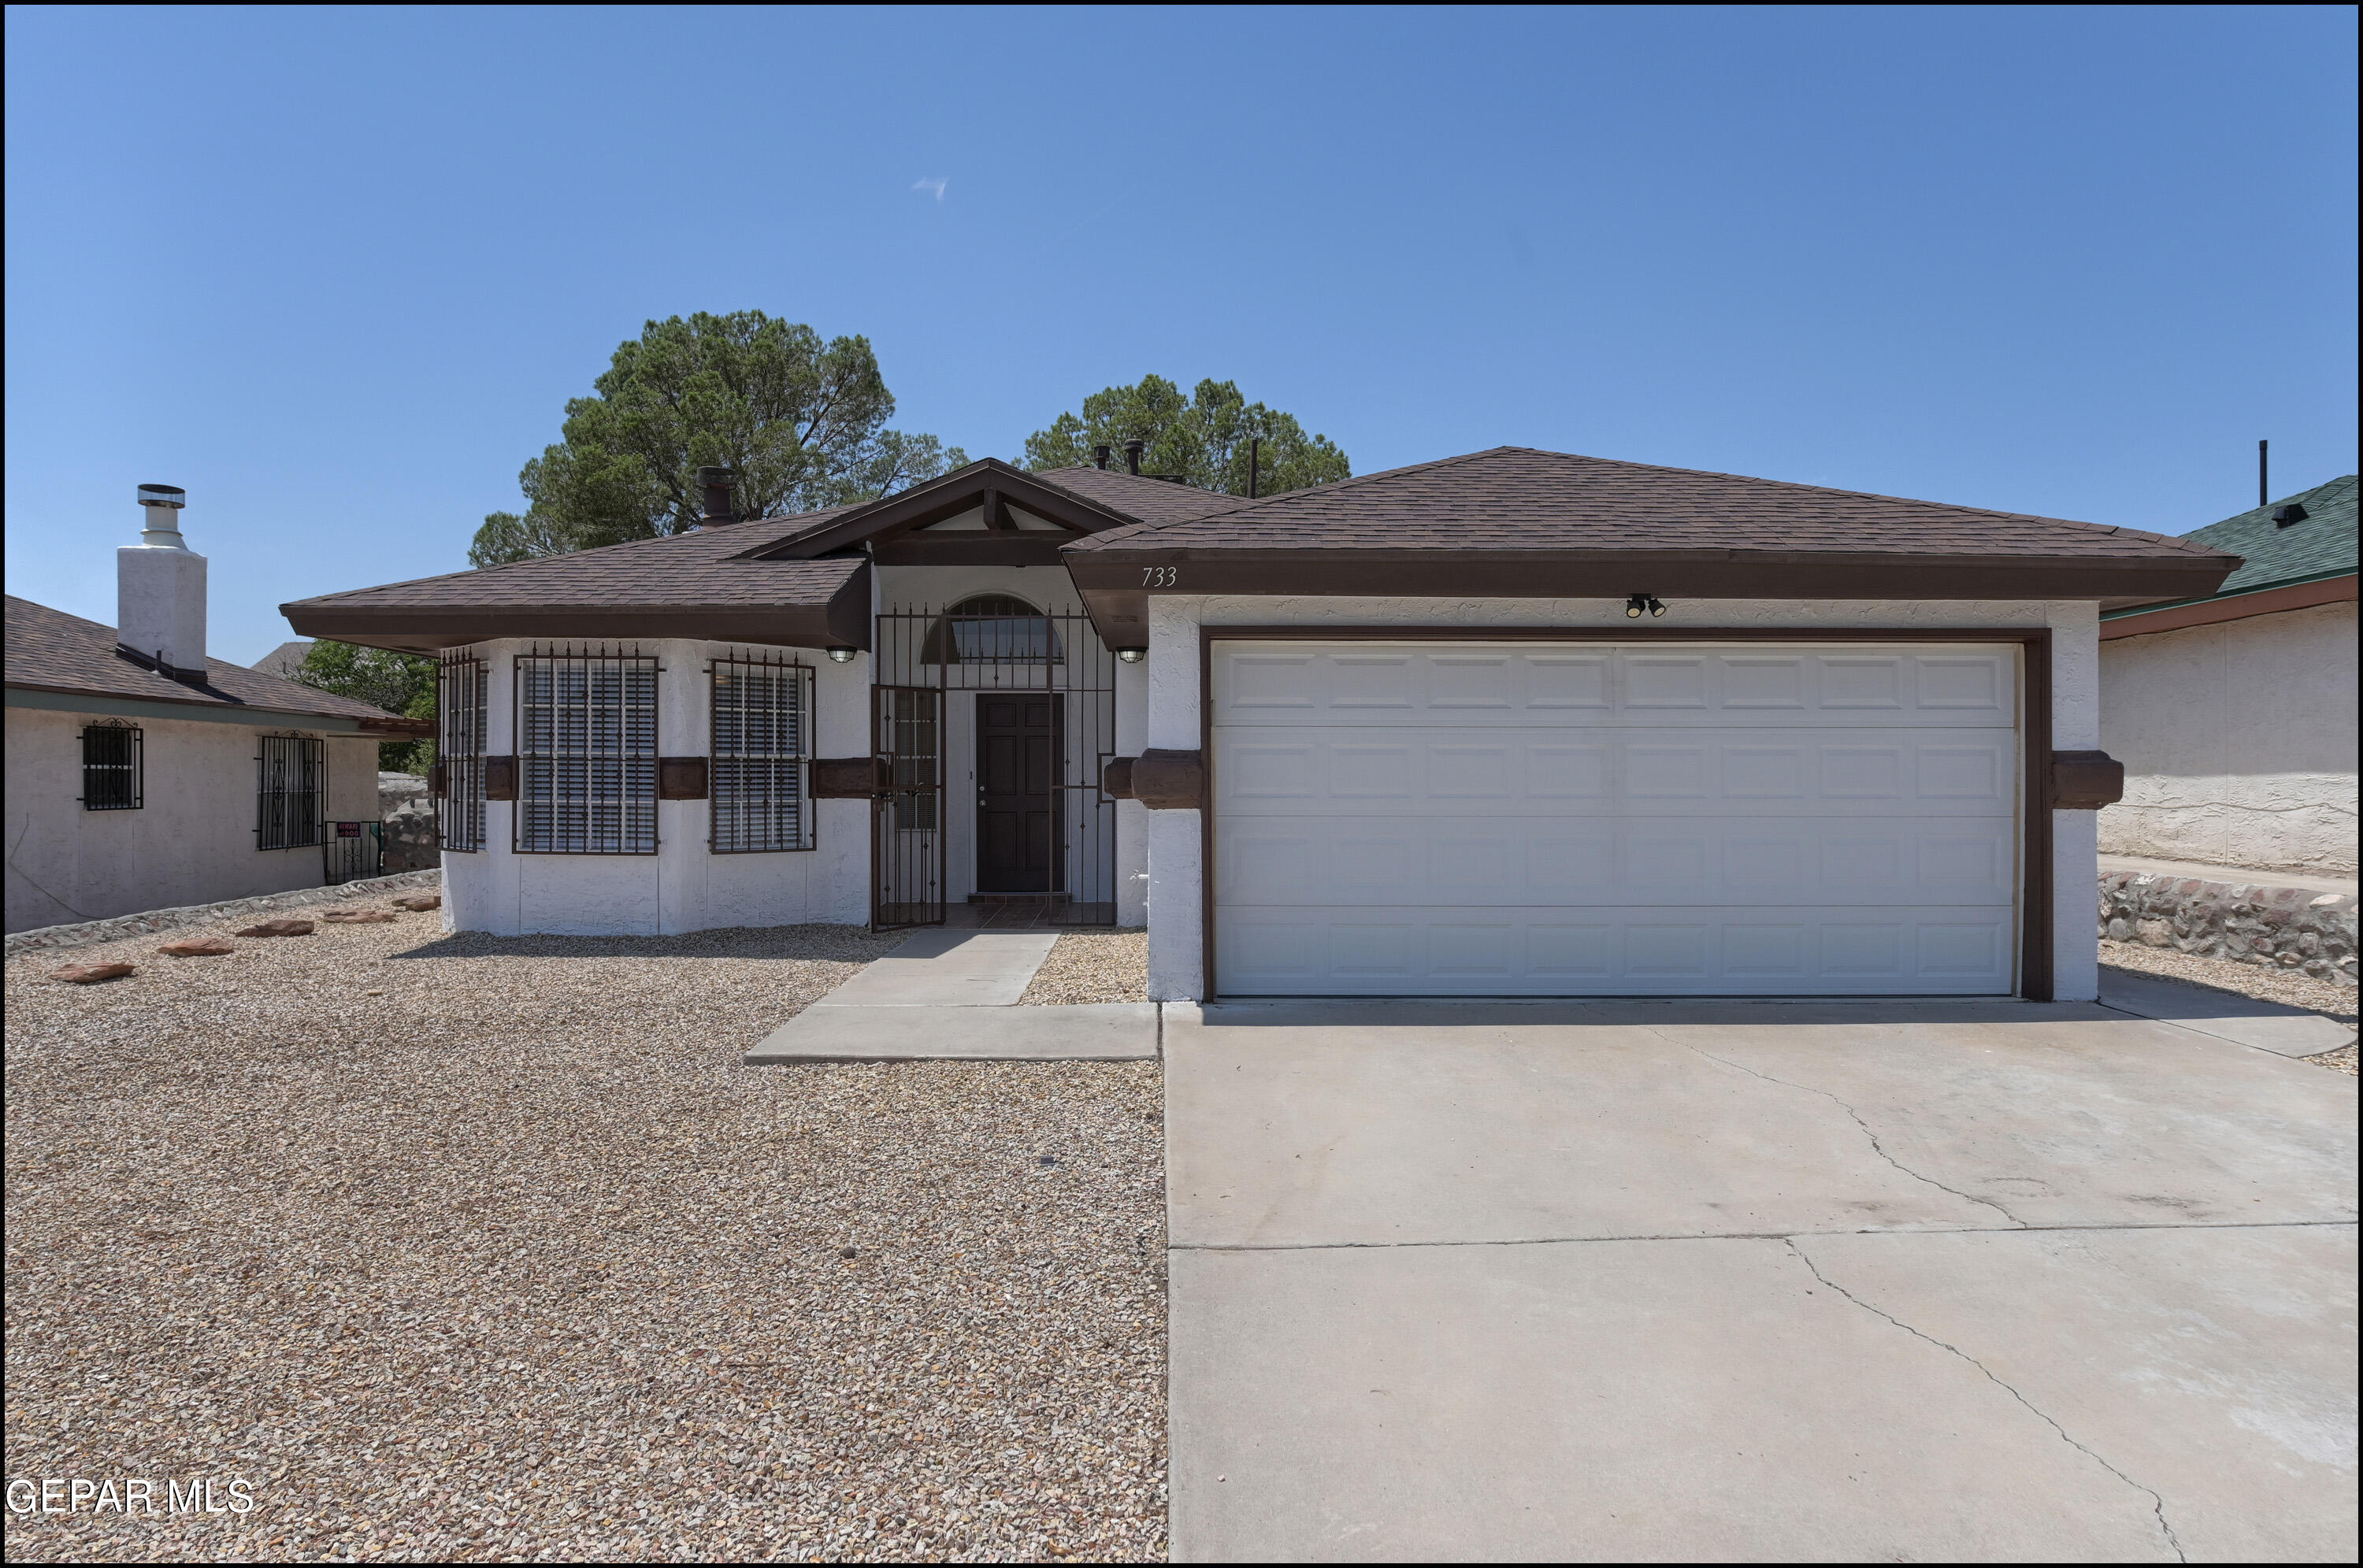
2086,780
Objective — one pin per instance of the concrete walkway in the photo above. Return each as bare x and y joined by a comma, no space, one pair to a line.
2245,1020
952,996
1929,1281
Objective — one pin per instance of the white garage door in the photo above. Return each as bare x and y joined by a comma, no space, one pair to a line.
1588,819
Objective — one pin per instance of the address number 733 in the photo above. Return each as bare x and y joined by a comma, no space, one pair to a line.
1160,576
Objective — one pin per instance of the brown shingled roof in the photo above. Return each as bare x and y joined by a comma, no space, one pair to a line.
678,570
696,584
1514,523
1516,498
1152,500
50,650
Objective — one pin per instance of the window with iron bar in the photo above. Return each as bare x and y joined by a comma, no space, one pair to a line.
460,691
294,776
113,767
586,754
759,794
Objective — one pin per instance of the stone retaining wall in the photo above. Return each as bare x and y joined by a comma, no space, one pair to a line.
89,931
2282,928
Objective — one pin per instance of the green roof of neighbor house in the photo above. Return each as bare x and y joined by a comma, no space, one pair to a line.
2272,554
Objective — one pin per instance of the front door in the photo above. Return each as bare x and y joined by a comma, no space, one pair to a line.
1017,752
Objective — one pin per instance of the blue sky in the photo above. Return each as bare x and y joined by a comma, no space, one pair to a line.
337,272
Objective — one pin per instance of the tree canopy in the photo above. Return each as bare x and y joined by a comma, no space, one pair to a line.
1204,438
802,422
398,682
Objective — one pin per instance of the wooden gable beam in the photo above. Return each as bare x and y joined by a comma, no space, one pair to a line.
894,518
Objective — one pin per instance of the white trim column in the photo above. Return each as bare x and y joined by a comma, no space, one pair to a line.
1177,897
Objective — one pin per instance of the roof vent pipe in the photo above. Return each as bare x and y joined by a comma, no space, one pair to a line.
1132,451
1100,456
160,590
715,483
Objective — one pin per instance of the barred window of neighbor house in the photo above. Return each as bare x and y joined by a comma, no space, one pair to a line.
759,794
586,754
112,767
460,738
295,776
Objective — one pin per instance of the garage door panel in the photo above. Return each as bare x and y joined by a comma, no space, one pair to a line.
1376,861
1288,684
1609,951
1487,819
1554,772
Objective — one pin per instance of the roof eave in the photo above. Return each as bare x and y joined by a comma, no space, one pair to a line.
1114,592
842,620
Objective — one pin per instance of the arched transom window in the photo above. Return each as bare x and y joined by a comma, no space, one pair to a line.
993,628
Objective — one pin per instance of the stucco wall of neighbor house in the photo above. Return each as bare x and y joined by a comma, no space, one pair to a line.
683,887
2238,741
1176,932
192,842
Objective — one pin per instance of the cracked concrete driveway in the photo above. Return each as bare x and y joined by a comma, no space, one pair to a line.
1921,1281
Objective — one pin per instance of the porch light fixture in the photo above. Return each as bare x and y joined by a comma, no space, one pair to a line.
842,656
1637,603
1132,655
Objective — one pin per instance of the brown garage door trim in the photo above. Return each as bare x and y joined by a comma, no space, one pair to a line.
2034,975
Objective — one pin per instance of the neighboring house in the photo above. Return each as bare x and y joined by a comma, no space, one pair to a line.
1516,722
285,660
2234,712
143,774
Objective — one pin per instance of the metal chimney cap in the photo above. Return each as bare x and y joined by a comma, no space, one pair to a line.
716,476
162,495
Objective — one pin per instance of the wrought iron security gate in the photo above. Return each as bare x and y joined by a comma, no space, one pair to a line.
990,644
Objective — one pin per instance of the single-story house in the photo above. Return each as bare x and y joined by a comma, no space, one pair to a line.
1515,723
143,774
2233,712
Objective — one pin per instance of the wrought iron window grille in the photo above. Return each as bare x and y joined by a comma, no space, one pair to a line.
993,629
586,749
114,767
460,740
351,852
758,795
291,792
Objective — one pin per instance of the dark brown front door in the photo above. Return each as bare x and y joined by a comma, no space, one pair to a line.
1018,751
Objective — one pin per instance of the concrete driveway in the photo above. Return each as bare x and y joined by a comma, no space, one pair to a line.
1974,1281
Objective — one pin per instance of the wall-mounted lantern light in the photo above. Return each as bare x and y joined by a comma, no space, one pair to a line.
1638,603
842,656
1132,655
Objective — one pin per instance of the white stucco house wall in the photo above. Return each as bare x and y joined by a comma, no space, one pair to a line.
2235,712
143,774
1517,724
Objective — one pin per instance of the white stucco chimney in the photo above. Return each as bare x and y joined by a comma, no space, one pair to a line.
159,589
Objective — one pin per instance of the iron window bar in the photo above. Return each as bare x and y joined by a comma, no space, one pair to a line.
294,780
114,767
586,752
351,851
759,797
460,740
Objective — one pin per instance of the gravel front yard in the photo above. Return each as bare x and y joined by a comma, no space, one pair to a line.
2283,986
515,1260
1091,967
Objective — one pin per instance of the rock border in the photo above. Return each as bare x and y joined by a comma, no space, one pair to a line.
2246,922
48,938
